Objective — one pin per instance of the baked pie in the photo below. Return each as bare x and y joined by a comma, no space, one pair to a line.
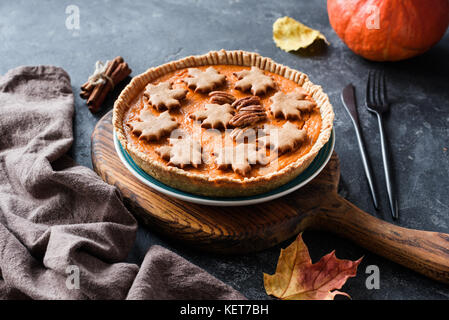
224,124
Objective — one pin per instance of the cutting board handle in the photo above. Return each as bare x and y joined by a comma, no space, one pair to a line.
423,251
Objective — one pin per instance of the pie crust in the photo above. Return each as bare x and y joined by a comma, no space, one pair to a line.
225,185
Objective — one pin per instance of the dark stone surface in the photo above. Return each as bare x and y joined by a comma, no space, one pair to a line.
148,33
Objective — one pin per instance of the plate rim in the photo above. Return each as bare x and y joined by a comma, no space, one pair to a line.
214,202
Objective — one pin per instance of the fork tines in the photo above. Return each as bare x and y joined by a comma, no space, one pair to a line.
376,91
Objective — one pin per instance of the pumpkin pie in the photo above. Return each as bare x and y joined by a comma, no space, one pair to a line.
224,124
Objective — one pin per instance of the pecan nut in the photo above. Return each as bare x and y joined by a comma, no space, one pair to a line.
247,118
247,101
248,133
221,97
252,108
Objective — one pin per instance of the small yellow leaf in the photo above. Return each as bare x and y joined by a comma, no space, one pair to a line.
291,35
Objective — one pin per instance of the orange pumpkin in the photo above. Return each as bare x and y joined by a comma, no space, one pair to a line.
389,30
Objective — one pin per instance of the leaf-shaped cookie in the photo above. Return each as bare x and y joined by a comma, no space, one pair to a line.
291,104
182,152
214,115
286,138
161,96
254,80
240,158
296,278
153,127
204,81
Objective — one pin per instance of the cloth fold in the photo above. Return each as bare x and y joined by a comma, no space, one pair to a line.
64,233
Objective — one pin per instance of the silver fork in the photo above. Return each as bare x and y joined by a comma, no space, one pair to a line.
377,103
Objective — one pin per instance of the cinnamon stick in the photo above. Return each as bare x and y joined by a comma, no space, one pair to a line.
116,71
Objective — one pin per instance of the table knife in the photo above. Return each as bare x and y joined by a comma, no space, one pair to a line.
348,99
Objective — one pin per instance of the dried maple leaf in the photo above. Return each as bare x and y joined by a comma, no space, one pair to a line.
296,278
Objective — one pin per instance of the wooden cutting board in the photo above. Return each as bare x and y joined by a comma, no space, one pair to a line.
256,227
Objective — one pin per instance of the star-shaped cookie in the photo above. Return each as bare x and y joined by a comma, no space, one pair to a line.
286,138
290,105
161,96
214,115
151,127
182,153
240,158
204,81
255,80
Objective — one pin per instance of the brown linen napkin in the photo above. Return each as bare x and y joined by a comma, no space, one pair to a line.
58,218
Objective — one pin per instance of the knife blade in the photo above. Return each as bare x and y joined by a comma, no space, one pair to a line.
348,99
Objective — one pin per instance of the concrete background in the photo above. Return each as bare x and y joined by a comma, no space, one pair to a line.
149,33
